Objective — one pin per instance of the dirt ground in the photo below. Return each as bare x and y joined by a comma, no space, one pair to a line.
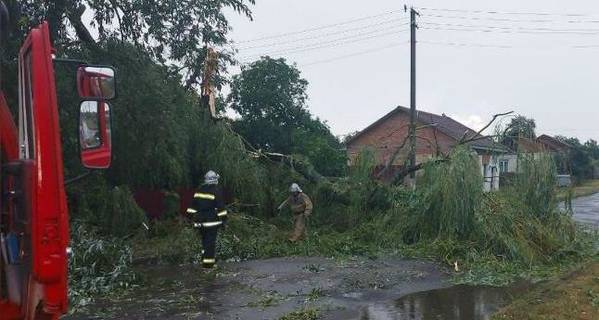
269,289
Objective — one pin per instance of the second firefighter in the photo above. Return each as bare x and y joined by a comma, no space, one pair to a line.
210,215
301,208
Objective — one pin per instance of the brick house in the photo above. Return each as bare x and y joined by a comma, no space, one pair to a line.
439,134
554,145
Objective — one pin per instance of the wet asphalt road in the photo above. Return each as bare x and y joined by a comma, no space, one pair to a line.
270,289
586,209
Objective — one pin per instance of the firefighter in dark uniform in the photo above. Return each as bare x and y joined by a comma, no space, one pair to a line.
210,215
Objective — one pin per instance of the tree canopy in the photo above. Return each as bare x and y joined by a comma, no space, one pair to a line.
157,48
519,127
580,156
270,96
173,32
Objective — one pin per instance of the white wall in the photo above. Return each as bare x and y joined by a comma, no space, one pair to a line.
490,175
512,160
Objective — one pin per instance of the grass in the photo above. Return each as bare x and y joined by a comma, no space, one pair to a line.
573,297
247,238
303,314
586,188
250,238
270,300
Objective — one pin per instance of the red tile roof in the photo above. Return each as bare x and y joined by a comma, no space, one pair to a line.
444,123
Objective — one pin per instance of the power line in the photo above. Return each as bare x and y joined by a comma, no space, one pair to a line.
506,12
589,46
330,44
457,44
328,34
590,31
458,17
355,54
569,129
490,30
322,27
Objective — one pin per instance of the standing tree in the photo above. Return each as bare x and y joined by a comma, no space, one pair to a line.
578,158
592,148
158,49
519,127
270,95
176,33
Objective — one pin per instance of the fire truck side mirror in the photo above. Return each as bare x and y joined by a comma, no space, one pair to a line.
96,83
95,134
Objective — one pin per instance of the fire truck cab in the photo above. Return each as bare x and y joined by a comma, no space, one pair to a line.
34,221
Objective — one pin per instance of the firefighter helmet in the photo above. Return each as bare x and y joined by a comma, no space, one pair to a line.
295,188
211,177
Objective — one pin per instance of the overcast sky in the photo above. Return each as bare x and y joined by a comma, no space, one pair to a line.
531,65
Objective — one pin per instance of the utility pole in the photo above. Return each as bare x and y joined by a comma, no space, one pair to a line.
413,27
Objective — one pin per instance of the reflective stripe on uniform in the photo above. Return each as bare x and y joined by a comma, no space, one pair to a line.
190,210
207,196
208,260
222,213
211,224
207,224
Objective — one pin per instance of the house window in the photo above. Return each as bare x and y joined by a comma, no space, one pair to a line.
503,165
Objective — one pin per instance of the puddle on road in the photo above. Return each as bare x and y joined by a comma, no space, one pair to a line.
455,303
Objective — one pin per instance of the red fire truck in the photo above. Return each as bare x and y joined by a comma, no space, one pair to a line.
34,221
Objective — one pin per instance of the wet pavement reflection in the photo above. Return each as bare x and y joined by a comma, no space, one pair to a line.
586,209
455,303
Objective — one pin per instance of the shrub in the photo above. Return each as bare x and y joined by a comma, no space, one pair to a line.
122,215
536,184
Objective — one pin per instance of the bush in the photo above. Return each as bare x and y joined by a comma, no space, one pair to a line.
122,215
536,184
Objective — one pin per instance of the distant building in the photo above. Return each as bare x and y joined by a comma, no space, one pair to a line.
541,145
439,134
555,146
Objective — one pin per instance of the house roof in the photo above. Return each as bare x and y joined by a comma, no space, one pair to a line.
443,123
527,145
554,143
